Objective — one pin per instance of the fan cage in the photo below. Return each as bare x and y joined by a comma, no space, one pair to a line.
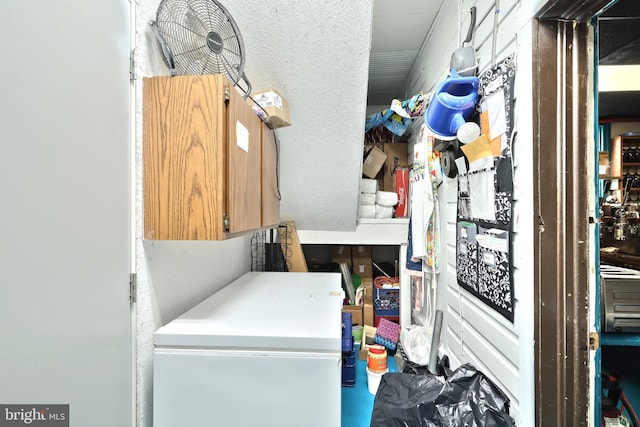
187,25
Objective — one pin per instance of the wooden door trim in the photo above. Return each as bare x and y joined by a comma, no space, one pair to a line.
575,10
561,280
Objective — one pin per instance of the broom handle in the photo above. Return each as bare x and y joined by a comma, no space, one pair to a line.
435,342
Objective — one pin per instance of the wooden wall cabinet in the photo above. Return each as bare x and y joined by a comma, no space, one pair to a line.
206,174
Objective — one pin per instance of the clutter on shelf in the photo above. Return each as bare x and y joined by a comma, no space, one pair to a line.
386,158
385,184
394,121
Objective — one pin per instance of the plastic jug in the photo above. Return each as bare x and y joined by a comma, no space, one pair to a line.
452,104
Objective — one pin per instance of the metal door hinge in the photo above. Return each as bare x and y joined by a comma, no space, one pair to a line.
226,222
227,94
132,65
594,341
133,288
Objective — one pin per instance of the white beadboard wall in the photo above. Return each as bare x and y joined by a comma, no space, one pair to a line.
472,332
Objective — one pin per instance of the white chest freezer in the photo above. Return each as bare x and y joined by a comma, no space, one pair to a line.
264,351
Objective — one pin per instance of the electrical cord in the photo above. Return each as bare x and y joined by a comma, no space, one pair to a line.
266,119
632,413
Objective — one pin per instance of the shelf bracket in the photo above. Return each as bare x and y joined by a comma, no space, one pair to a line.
227,94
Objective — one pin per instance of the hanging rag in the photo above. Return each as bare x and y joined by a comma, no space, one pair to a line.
399,115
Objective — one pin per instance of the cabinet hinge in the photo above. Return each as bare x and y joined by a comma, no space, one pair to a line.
227,94
226,222
594,341
133,288
132,65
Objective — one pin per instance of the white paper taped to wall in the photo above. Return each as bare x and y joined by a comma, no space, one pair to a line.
242,136
492,241
482,194
494,105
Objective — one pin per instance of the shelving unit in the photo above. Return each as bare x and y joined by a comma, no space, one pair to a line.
372,232
630,169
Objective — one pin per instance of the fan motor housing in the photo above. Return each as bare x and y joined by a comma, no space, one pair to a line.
214,41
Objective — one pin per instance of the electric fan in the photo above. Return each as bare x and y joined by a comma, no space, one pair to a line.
200,37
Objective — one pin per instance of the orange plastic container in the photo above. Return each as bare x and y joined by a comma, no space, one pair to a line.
377,358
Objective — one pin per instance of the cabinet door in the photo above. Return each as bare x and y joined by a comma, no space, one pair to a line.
270,178
184,167
244,168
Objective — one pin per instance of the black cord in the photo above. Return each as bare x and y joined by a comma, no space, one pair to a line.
266,119
275,141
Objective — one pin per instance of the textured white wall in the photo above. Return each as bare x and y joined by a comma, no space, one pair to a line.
471,332
173,276
316,54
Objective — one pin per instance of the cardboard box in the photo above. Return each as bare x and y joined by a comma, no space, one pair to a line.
373,163
368,334
362,263
367,283
275,105
603,163
360,251
397,156
368,314
342,253
356,314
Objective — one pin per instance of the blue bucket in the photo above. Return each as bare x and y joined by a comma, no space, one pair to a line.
451,105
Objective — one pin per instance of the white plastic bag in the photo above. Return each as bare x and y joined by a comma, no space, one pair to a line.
416,343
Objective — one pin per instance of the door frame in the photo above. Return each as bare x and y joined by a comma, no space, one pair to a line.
563,138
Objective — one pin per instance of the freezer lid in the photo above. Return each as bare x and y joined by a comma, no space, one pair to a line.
264,310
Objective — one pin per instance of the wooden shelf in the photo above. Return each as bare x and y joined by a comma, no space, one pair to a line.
368,232
609,177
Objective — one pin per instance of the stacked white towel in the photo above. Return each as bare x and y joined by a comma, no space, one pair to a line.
368,186
385,201
383,212
367,199
386,198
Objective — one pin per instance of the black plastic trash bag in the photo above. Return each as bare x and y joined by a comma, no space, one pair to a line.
466,398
